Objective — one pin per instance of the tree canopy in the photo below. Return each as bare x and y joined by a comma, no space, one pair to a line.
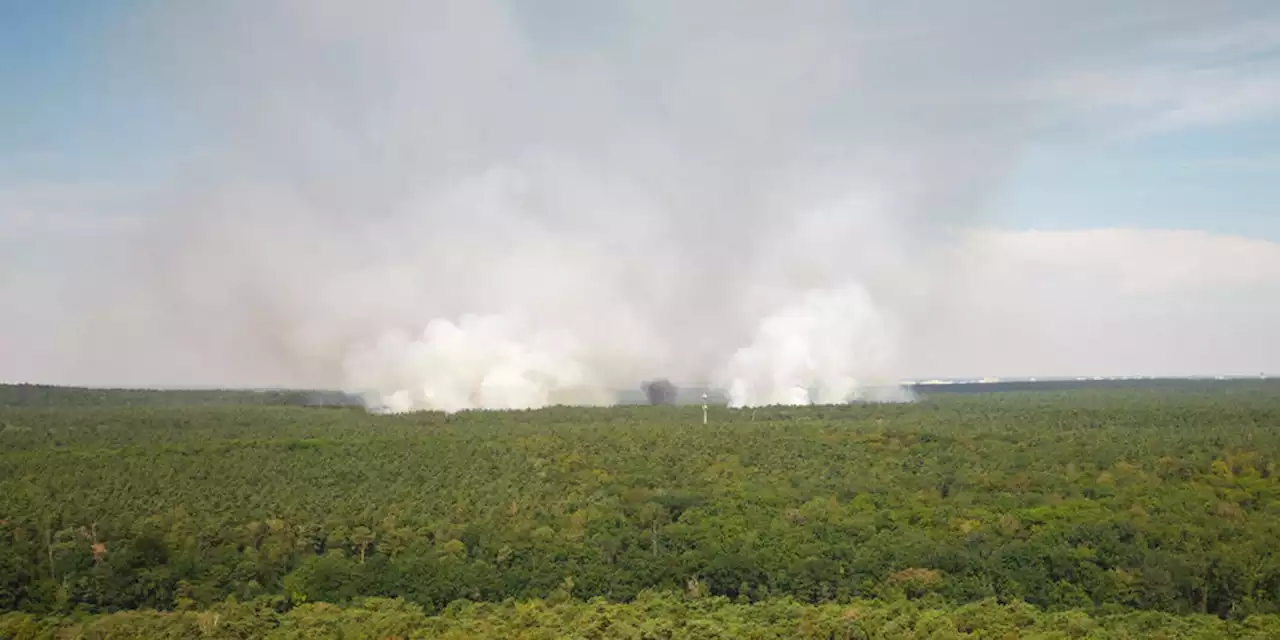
1068,513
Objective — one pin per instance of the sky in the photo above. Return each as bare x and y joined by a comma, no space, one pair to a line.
1084,188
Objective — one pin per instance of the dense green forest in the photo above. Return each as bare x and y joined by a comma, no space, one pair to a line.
1086,513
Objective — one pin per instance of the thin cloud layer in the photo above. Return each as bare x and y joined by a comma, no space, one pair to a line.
1106,302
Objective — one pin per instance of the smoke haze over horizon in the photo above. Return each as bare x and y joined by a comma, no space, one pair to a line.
506,204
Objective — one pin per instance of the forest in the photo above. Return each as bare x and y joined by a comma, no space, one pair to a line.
1068,513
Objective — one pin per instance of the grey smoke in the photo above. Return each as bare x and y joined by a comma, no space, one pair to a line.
660,392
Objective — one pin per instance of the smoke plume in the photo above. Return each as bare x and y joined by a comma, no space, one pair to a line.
480,362
830,347
490,204
660,392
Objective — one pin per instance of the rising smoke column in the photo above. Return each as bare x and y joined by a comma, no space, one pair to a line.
830,347
481,362
457,215
474,203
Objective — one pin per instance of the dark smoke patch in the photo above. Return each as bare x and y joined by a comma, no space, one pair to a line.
660,392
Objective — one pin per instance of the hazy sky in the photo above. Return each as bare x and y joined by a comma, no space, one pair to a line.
1061,188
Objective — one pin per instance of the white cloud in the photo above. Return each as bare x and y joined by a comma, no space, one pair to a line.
1258,35
1104,302
1224,72
1138,261
1156,100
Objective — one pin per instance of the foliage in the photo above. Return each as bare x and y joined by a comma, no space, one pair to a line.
649,616
1107,510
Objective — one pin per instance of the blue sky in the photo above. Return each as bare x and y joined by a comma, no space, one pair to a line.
1223,179
73,112
76,114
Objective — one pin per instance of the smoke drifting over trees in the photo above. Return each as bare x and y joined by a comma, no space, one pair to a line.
489,204
660,392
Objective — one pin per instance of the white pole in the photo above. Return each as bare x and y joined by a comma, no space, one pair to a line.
704,408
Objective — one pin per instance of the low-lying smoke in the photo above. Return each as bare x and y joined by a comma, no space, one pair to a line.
481,362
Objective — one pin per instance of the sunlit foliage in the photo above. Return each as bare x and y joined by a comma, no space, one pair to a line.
1104,508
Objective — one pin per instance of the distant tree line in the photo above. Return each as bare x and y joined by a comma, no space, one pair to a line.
35,395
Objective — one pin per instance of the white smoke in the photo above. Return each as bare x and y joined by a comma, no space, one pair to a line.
498,204
482,362
830,347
